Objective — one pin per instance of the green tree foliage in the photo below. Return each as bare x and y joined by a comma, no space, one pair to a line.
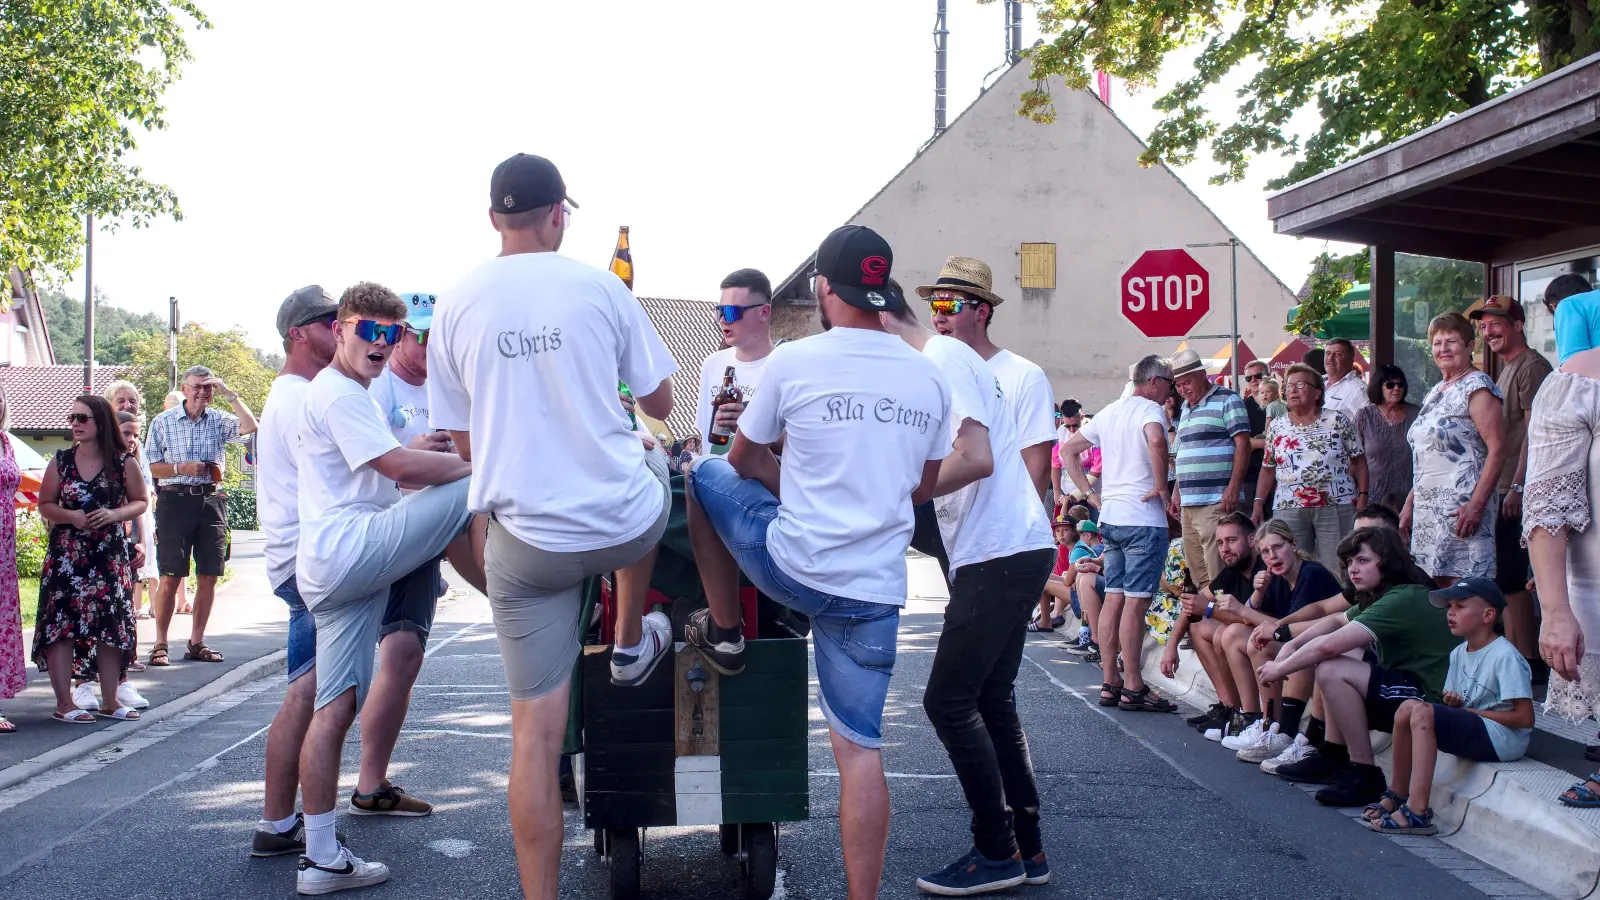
1331,278
78,79
115,328
1373,72
227,353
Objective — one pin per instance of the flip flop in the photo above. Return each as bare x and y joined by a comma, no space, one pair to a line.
123,714
76,717
7,726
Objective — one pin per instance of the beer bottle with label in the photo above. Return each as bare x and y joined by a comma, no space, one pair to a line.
633,420
721,435
622,259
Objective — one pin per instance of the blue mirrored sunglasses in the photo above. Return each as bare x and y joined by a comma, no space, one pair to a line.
731,314
371,330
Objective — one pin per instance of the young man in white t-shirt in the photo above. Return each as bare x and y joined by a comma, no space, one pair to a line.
744,312
964,305
305,322
358,537
526,353
1000,551
863,419
1132,436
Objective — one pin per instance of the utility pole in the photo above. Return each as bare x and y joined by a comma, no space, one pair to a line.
1233,287
88,306
172,343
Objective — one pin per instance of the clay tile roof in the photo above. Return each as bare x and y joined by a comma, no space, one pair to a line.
691,334
40,395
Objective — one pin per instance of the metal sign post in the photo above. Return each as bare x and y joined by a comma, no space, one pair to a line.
1233,288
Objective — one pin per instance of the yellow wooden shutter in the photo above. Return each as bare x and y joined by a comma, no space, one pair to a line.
1039,266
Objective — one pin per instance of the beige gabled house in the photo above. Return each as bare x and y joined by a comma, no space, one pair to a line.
1068,204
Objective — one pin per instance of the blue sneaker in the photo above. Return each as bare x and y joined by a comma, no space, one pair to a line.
1037,870
974,874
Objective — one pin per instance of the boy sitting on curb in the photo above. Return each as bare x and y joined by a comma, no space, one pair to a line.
1486,716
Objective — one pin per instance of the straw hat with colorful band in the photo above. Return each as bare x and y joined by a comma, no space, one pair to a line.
965,274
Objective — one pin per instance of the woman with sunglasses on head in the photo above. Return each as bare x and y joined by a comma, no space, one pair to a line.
85,625
1383,426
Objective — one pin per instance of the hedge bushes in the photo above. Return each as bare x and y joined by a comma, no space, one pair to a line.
32,537
242,509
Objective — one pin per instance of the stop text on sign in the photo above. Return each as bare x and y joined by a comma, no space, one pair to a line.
1164,291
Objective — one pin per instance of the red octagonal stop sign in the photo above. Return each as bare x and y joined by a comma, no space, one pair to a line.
1165,293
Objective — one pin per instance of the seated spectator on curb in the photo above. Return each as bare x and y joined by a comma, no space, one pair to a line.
1166,612
1053,604
1486,714
1413,644
1292,581
1088,581
1239,564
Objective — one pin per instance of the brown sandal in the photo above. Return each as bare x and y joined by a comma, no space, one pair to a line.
201,653
159,656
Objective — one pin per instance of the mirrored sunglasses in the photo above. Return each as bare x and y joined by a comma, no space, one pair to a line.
730,313
422,334
948,303
371,329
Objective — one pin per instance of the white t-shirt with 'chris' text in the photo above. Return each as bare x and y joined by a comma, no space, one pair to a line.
341,430
746,376
863,414
278,499
993,517
404,405
1125,476
1028,398
525,353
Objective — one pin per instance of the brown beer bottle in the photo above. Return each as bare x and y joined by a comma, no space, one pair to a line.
622,258
730,393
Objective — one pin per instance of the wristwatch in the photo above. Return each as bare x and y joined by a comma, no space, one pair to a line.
1516,489
1283,635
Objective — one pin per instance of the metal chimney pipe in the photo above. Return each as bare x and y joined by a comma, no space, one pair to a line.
1013,31
941,42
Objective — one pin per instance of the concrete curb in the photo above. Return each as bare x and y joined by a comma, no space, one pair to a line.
245,673
1504,814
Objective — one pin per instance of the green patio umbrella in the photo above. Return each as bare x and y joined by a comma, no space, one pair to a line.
1353,320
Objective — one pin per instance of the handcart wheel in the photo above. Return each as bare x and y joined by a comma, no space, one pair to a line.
758,865
600,842
623,859
730,839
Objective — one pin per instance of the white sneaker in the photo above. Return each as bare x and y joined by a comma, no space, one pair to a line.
127,695
628,669
1271,744
1295,752
83,696
1248,737
1213,734
346,872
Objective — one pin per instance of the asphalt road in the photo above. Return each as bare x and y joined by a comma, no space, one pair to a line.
1136,806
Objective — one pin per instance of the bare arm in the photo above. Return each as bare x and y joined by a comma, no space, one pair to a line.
1485,408
420,467
1335,640
1358,473
1155,438
971,460
658,403
463,442
1055,482
930,477
1241,462
753,460
1520,715
247,419
1037,461
49,493
1073,465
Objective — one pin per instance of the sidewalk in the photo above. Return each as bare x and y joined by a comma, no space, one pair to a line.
248,627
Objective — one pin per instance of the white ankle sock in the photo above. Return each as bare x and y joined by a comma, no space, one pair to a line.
322,844
630,651
280,826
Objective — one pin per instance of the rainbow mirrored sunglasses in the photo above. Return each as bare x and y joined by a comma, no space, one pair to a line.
730,313
372,329
948,303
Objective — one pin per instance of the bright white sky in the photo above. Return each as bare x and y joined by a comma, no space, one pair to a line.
338,142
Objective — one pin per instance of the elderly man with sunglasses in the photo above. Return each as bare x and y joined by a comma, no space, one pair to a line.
184,450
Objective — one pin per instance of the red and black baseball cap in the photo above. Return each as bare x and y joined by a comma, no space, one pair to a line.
526,182
856,260
1505,307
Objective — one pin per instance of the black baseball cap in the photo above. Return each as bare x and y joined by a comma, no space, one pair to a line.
1469,587
526,182
856,260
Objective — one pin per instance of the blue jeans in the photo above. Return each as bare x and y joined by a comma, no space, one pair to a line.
302,646
1133,559
854,640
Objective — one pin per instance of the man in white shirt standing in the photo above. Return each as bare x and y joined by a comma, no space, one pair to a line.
1132,436
305,322
401,394
863,420
526,354
964,304
1000,553
744,312
358,537
1345,390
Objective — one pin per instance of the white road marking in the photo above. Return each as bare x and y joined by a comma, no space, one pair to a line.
458,733
455,849
471,694
447,641
888,775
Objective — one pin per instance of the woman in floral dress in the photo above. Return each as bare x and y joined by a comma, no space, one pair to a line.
1315,459
1457,437
1164,610
85,626
13,656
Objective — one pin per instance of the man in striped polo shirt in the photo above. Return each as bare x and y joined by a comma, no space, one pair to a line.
1213,453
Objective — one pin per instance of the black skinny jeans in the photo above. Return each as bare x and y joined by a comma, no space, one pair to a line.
971,698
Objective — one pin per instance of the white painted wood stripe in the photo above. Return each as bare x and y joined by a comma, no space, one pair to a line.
697,781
